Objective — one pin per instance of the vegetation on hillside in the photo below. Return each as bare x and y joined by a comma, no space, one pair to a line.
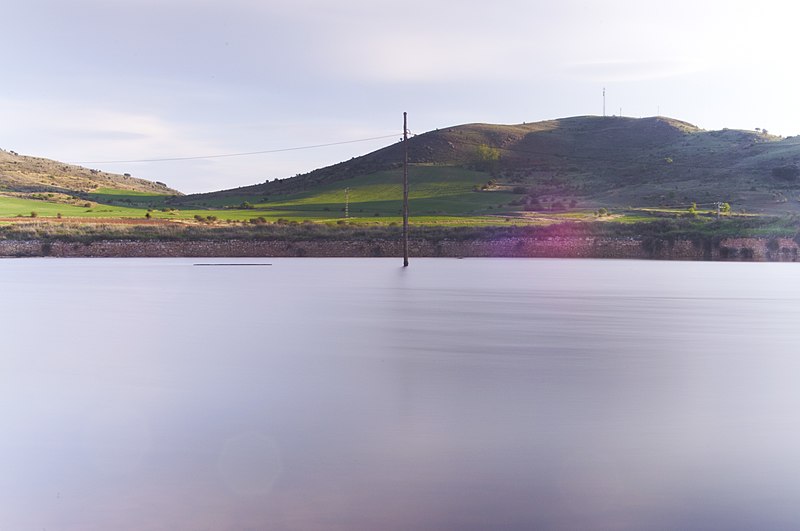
695,229
593,174
20,174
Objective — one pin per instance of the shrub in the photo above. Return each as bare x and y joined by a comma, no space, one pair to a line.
773,244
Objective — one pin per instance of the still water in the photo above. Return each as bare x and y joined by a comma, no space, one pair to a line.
351,394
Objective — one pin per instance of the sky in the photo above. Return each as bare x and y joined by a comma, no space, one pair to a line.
106,83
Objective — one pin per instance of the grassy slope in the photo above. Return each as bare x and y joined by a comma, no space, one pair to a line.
23,174
597,162
659,166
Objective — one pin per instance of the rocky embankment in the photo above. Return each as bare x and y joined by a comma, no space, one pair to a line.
730,249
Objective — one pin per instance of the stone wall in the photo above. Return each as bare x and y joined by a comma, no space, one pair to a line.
731,249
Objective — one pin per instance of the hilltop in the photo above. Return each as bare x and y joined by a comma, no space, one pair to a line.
579,162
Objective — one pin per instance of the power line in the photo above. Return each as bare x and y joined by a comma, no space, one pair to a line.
199,157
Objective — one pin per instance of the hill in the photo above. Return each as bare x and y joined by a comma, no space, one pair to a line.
584,162
578,168
36,178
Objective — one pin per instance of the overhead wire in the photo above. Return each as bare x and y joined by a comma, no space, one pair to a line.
226,155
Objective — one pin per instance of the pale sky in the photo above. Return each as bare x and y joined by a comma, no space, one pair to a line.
117,80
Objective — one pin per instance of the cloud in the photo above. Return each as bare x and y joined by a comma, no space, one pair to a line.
611,71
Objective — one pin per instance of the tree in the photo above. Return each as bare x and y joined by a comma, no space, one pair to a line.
487,157
488,153
725,208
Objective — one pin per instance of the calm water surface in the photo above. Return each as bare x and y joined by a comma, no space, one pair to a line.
351,394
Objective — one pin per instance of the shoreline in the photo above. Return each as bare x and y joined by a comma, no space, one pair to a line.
748,249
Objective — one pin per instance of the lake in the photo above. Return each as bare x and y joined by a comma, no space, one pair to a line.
353,394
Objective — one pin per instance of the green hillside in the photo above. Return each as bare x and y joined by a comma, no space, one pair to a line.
572,164
572,168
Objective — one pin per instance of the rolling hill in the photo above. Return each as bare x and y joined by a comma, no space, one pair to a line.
570,168
23,174
48,187
572,163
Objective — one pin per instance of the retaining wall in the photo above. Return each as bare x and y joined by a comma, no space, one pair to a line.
732,249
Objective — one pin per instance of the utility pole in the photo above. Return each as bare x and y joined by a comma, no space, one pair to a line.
405,189
346,203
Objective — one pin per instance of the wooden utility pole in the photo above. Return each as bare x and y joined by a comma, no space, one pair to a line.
405,190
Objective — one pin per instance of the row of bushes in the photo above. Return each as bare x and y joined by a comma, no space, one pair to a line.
663,229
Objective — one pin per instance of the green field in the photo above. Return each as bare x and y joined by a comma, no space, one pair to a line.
437,195
433,191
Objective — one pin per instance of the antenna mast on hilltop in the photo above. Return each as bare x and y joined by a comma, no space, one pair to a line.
604,102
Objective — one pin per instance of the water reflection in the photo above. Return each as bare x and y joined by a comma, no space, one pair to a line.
353,394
